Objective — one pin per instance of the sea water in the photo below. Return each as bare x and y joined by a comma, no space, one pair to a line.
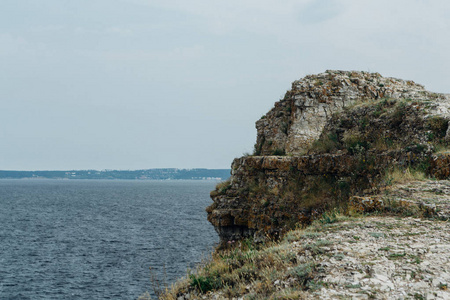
97,239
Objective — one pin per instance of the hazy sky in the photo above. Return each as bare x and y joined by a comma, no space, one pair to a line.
134,84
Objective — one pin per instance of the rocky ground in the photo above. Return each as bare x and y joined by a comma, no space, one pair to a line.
336,137
375,257
382,258
380,255
431,195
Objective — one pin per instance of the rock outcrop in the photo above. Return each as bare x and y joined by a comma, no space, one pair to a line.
333,136
337,257
298,120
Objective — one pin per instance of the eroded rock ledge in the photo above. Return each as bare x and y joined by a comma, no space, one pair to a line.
298,119
333,136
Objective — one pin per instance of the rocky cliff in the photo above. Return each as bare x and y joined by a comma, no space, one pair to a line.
397,249
333,136
299,118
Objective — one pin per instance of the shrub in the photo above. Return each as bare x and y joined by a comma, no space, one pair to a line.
328,217
326,143
279,152
354,142
315,248
398,114
417,149
222,187
303,272
438,125
203,283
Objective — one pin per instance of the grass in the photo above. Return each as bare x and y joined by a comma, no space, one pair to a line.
376,235
259,266
438,126
277,269
316,248
380,125
253,269
354,142
279,152
303,272
204,283
403,175
221,188
326,144
159,285
329,217
395,256
416,259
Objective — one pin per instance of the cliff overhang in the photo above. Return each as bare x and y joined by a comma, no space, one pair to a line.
333,136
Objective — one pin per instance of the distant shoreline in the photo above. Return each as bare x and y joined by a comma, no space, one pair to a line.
111,179
148,174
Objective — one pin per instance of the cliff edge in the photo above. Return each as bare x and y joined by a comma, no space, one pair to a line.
333,136
346,197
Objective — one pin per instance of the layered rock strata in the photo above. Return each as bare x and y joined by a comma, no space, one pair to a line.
341,132
428,198
298,119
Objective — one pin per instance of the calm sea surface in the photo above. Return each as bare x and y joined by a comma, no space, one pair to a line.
89,239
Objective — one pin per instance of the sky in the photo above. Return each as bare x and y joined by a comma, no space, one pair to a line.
138,84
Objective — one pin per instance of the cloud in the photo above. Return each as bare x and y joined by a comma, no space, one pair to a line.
113,30
382,27
173,55
81,30
318,11
226,59
10,44
120,31
224,17
47,29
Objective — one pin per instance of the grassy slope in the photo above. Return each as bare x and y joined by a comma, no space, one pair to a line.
386,253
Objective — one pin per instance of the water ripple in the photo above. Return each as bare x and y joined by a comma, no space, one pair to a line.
97,239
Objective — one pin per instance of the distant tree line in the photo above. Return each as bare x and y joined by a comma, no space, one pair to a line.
149,174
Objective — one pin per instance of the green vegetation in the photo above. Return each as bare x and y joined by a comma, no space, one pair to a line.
204,284
438,126
294,204
327,143
259,265
274,269
279,152
377,234
402,175
221,188
381,125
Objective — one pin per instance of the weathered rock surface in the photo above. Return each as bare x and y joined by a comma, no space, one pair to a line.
298,120
384,258
428,198
373,257
337,139
341,131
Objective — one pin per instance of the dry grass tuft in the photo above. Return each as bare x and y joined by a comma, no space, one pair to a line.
398,175
258,271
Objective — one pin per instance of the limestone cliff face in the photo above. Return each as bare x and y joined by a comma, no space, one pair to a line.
333,136
298,120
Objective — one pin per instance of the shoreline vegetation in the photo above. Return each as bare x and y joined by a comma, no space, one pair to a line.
147,174
393,244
